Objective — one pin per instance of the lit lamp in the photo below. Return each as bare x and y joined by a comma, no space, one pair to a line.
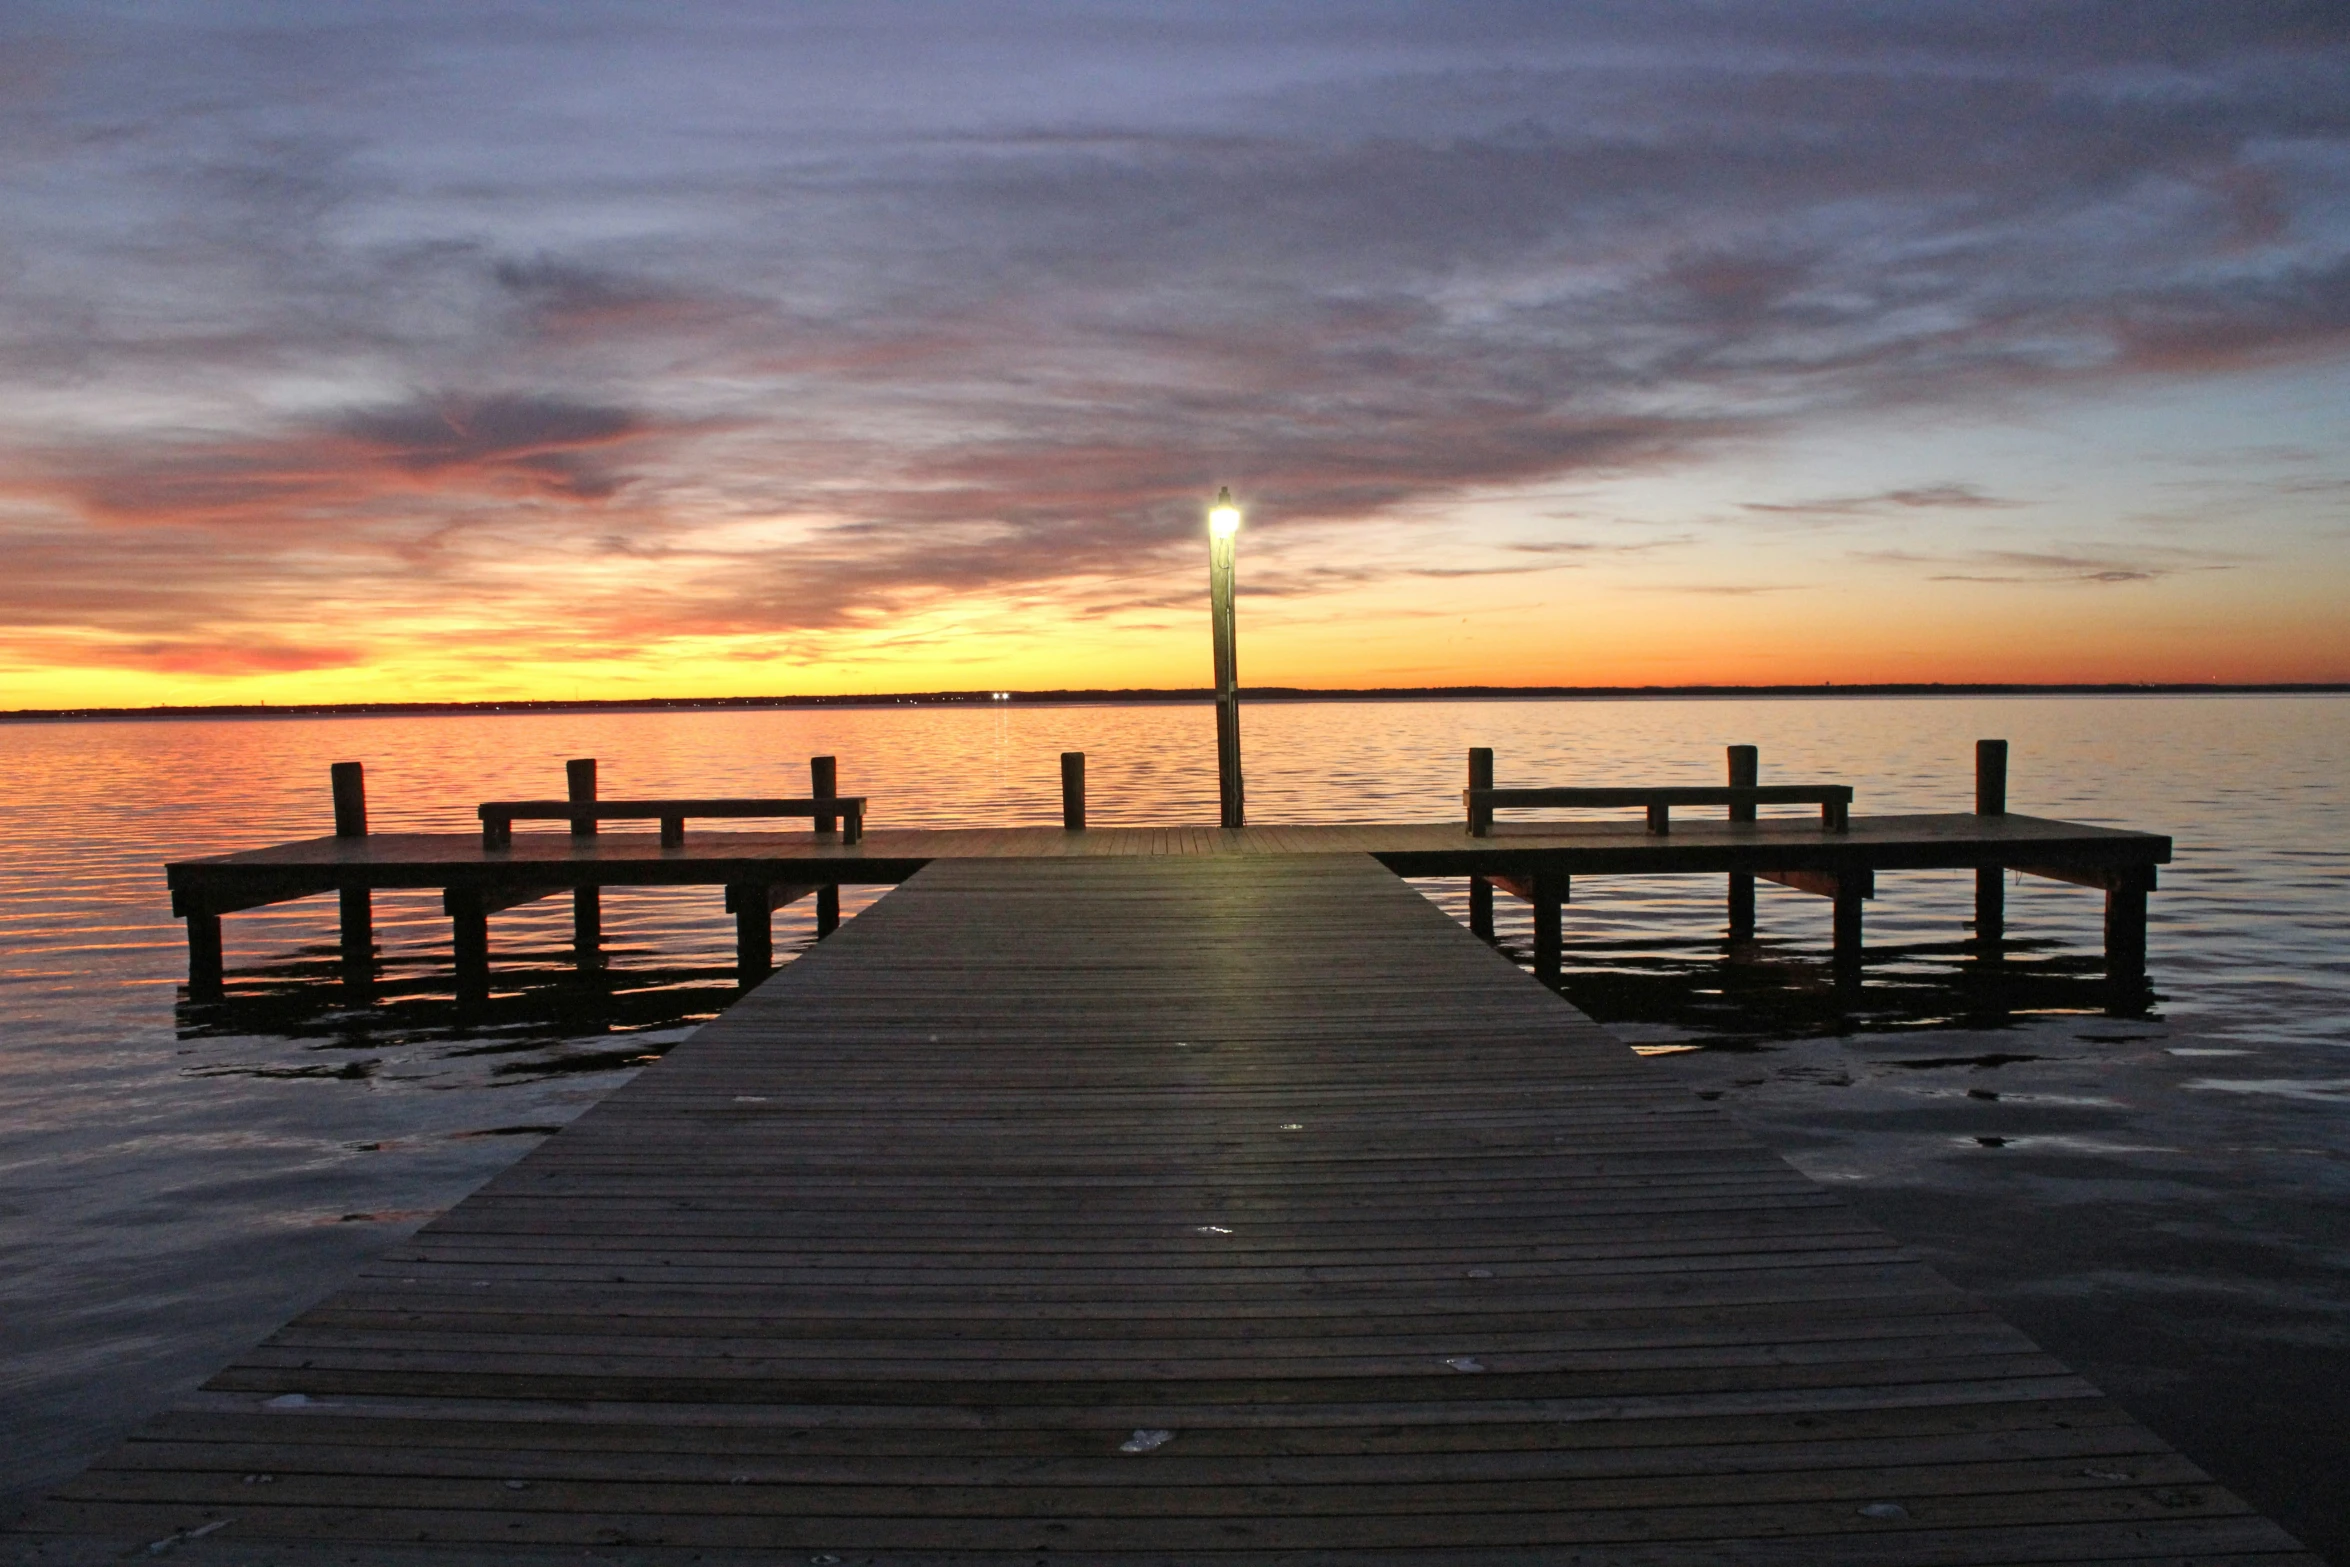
1223,529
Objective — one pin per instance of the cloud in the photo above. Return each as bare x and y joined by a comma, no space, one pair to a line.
833,316
250,657
509,446
1929,497
2096,567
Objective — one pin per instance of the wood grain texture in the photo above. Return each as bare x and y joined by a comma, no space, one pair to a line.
888,1264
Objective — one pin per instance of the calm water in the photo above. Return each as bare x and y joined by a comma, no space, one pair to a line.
2159,1193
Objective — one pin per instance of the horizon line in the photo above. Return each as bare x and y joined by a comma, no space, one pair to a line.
1135,696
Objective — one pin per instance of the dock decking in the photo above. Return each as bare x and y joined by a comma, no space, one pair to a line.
1375,1249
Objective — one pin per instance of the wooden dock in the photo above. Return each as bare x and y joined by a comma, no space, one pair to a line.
1157,1203
1536,861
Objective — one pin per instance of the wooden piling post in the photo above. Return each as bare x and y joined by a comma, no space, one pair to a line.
1745,773
1550,897
1847,948
1480,826
754,932
579,775
1073,791
469,928
2125,934
587,903
205,976
1990,880
349,782
358,933
1480,777
823,784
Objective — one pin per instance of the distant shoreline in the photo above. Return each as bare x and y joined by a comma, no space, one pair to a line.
1133,698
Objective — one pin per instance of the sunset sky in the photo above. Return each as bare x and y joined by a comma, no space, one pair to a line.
415,351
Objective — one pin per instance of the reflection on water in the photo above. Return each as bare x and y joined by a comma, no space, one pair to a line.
546,1014
1654,964
543,1016
2158,1187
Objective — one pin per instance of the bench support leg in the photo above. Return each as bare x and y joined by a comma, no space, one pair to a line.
1990,908
1481,907
754,933
587,927
204,959
1741,907
2125,935
827,911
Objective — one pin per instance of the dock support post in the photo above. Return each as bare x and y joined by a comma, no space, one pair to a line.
204,960
1480,826
1550,897
754,932
349,782
587,927
1990,880
1745,773
469,929
358,936
823,784
587,903
2125,935
1073,791
1847,949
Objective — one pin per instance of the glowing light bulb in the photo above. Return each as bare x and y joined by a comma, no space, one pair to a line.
1224,518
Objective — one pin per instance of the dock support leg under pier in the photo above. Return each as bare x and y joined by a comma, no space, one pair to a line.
1846,954
1990,880
1990,909
204,959
754,932
2125,935
824,783
587,927
1481,907
1745,773
1550,898
358,944
469,932
1741,908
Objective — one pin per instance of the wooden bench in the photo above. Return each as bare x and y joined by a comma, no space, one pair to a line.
1834,801
499,816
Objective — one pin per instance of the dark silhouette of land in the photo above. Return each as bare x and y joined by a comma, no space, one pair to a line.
1139,695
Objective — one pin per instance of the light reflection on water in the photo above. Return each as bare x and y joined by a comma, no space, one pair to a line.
179,1177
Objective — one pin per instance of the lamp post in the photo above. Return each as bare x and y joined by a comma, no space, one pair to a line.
1223,528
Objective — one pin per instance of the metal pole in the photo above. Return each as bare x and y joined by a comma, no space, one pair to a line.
1223,545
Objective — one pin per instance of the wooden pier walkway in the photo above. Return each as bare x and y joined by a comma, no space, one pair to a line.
1151,1209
